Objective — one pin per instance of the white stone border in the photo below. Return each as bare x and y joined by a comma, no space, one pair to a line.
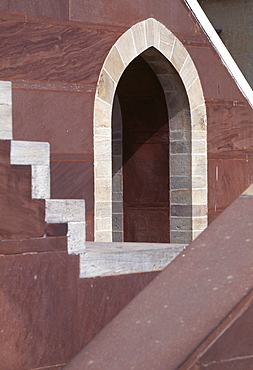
148,33
5,110
221,49
106,259
72,212
37,155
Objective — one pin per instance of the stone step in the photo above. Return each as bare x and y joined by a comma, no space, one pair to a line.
96,259
36,155
106,259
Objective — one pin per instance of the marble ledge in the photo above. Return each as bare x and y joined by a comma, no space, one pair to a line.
106,259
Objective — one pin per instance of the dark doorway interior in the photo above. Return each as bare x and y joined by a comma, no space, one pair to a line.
145,159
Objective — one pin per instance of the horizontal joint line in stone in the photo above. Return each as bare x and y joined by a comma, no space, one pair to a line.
115,82
103,101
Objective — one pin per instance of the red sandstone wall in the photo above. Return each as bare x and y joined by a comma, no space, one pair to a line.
20,216
53,53
233,350
48,314
54,65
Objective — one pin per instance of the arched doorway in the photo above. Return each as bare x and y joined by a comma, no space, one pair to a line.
187,126
141,172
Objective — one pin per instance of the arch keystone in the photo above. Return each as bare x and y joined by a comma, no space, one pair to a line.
139,35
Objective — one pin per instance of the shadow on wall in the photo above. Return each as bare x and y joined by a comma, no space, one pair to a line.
151,153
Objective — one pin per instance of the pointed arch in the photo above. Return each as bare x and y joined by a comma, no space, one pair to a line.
142,36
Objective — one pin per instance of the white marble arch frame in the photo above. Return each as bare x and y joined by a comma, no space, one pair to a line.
137,39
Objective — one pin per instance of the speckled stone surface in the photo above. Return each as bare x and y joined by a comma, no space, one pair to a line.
185,310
